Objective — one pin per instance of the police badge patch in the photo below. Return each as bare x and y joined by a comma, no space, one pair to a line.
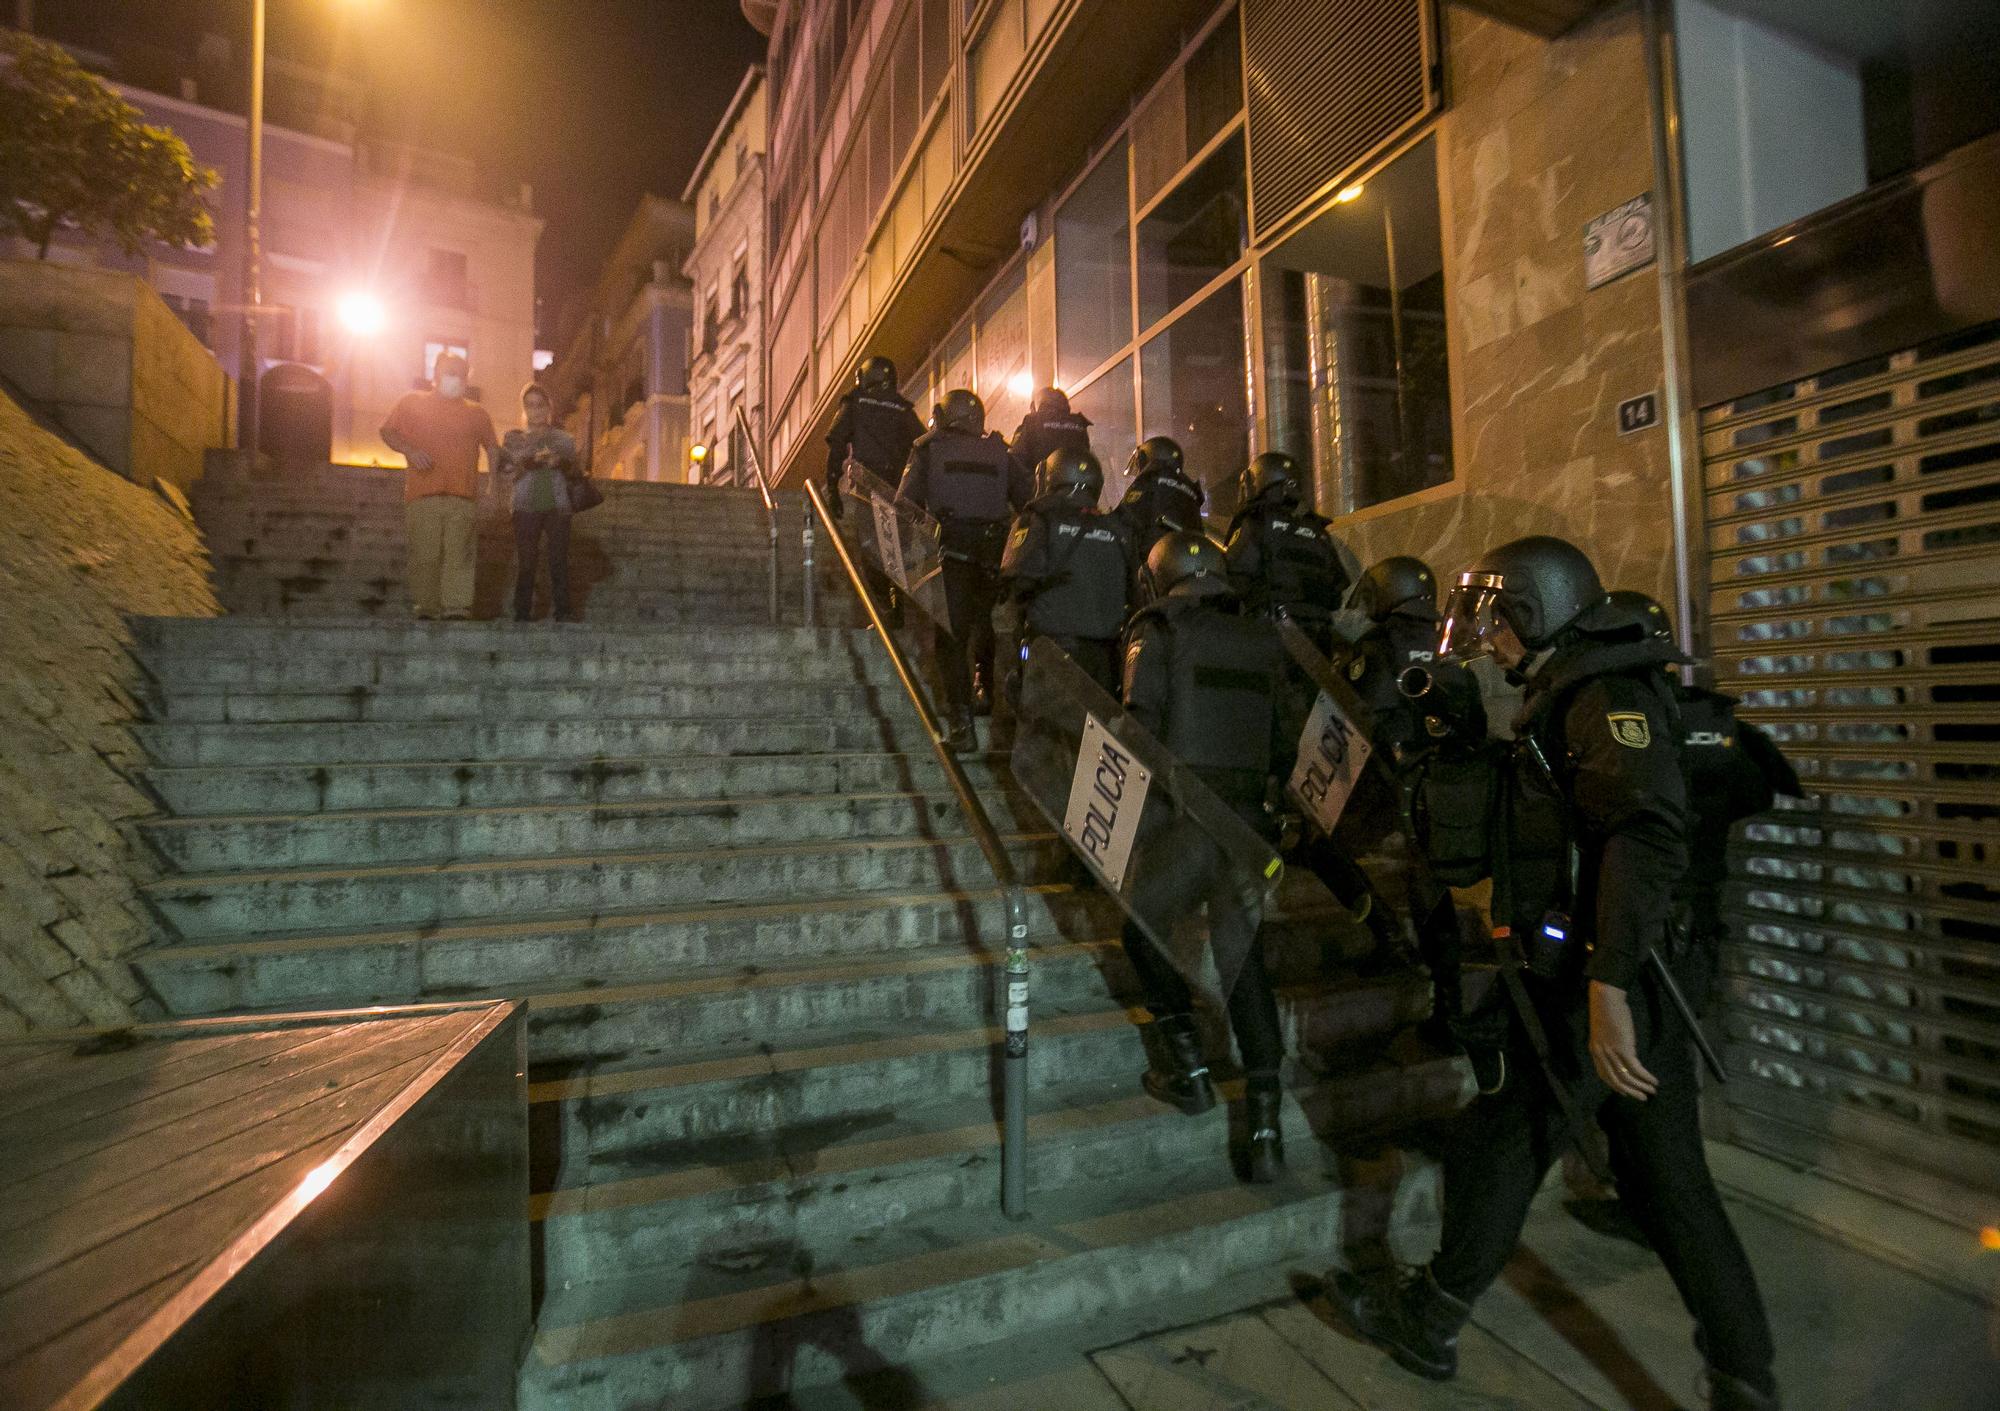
1630,728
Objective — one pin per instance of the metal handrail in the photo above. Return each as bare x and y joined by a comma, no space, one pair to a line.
1014,1072
770,505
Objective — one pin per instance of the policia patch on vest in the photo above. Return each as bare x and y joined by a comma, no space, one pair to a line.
1630,728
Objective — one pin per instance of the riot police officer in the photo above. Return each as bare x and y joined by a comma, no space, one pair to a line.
1399,598
1203,678
876,425
1070,567
962,475
1162,498
1734,770
1589,845
1050,425
1284,557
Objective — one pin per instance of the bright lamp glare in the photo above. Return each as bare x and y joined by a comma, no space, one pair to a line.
698,452
1021,384
1349,193
361,314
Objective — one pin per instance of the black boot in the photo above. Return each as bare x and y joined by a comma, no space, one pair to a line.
1413,1319
1267,1142
1184,1083
1727,1393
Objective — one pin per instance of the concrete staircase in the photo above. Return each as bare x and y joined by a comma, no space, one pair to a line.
327,542
760,957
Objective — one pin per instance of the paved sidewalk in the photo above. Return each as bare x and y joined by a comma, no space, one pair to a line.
1875,1308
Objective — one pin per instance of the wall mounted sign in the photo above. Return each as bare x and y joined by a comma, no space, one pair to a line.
1618,242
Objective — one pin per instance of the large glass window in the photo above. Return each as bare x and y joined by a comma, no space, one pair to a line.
1114,427
1093,271
1197,231
937,46
994,57
1004,380
1355,341
1189,107
1194,387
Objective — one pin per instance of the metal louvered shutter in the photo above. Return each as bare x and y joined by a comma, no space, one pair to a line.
1854,535
1330,81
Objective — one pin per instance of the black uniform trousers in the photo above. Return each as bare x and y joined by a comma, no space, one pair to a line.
532,528
1502,1146
1196,878
970,591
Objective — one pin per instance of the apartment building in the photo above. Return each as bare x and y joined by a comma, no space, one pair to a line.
1707,286
726,268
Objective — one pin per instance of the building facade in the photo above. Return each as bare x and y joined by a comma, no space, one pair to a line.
620,381
412,234
1677,279
726,268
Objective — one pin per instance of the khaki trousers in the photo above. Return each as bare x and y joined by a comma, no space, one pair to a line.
443,554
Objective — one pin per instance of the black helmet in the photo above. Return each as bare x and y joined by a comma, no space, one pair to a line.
876,373
1270,473
1538,586
1156,453
1191,564
1050,401
962,411
1398,581
1076,474
1628,608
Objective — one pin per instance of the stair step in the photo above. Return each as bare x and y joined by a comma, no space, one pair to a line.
217,905
238,636
739,1321
618,1108
383,966
494,703
387,837
849,1180
227,790
183,743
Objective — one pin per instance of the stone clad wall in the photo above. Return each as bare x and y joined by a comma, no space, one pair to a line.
79,550
103,355
1539,137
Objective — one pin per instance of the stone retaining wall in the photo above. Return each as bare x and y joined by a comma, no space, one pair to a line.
104,356
80,549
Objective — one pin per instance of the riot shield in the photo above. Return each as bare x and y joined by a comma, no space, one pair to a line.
1334,742
1156,837
899,538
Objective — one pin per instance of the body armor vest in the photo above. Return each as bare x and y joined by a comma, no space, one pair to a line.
1088,569
1301,570
1226,671
1162,502
883,427
1038,436
969,476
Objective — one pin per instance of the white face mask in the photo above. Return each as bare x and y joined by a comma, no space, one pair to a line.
451,386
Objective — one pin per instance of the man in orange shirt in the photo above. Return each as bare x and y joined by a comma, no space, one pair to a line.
441,434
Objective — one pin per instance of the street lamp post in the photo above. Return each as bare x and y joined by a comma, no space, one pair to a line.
247,369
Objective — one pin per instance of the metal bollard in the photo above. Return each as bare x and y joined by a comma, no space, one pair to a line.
1014,1068
811,583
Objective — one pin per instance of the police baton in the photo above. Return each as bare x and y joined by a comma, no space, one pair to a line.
1686,1012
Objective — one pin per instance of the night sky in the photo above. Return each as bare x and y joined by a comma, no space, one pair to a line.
594,102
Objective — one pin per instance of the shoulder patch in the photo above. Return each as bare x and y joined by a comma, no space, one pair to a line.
1630,728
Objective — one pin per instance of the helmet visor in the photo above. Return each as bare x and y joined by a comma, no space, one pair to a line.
1471,616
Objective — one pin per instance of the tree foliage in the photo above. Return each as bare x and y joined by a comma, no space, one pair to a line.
72,152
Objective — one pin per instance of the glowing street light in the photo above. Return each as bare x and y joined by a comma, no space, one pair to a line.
1349,193
698,453
361,313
